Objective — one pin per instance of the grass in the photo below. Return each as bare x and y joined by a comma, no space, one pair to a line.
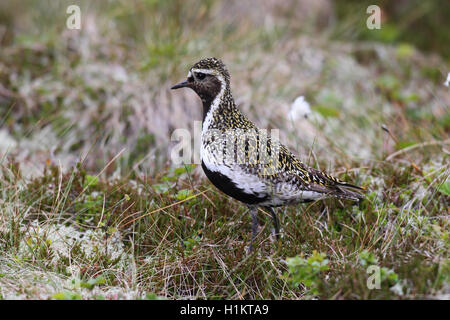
92,208
192,244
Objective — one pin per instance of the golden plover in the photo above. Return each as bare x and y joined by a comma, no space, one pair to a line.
243,161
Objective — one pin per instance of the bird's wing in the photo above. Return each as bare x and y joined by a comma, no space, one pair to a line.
277,164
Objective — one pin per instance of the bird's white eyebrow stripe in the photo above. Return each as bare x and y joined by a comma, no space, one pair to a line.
207,71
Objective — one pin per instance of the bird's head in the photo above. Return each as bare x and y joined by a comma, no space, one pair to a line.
207,78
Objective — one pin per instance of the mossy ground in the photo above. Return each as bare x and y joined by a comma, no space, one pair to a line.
92,208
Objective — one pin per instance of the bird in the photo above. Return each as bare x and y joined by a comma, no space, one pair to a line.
247,164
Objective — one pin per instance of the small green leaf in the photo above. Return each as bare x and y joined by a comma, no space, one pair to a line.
328,112
367,258
445,188
66,295
169,178
404,144
112,230
306,271
404,50
153,296
91,181
93,282
183,194
161,188
179,171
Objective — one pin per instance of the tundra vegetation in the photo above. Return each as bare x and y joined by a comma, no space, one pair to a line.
92,207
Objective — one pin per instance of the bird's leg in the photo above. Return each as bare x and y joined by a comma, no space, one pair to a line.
276,222
254,213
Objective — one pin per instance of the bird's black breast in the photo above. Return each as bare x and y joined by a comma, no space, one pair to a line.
224,184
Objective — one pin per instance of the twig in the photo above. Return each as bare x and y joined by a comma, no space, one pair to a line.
419,145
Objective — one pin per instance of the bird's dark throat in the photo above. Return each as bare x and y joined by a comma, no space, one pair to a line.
207,102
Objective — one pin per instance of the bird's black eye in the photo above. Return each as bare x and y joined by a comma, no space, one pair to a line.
200,76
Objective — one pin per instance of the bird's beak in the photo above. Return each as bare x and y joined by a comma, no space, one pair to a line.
180,85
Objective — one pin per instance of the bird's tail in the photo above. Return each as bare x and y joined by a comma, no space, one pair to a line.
343,191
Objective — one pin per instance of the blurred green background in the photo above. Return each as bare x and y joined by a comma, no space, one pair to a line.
421,24
107,84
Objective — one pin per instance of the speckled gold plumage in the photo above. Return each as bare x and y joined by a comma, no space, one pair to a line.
285,170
